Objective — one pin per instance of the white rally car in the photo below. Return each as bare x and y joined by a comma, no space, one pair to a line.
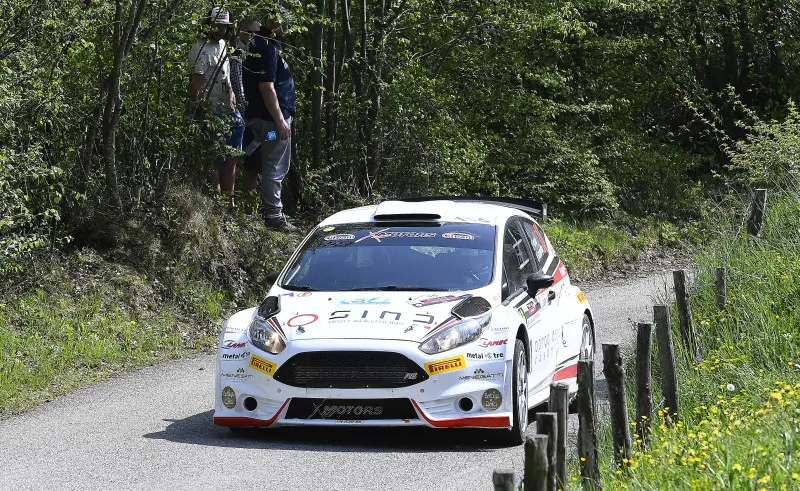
442,312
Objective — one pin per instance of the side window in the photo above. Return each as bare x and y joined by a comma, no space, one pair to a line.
516,257
537,241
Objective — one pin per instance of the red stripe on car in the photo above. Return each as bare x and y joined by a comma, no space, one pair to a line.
474,421
244,421
565,373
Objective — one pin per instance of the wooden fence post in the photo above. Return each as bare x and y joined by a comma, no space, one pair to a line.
722,294
587,432
685,316
559,404
503,480
547,424
757,208
666,355
644,394
536,467
614,371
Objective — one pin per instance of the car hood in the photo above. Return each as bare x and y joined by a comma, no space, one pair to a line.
406,316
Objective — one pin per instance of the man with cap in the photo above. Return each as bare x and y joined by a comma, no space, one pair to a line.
210,89
269,90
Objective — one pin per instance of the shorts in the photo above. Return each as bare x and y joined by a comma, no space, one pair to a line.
233,138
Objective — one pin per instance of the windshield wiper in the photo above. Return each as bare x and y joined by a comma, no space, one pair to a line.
299,288
395,288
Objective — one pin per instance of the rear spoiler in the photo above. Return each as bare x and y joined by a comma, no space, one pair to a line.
532,208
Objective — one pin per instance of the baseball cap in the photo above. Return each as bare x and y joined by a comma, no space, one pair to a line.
219,16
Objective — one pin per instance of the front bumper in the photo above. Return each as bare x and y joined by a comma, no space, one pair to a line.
438,402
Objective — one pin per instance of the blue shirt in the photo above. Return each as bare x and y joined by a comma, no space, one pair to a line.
265,64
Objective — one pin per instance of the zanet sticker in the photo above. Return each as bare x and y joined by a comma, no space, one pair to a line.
446,365
458,235
340,237
262,365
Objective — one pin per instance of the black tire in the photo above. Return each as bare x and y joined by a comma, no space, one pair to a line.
587,351
516,435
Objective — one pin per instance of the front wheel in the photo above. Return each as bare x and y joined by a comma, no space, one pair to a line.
520,392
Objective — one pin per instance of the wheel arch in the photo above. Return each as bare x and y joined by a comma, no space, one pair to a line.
588,313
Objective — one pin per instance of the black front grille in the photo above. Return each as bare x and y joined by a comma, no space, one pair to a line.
350,370
350,409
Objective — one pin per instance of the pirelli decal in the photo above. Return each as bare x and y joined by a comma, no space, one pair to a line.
581,297
446,365
262,365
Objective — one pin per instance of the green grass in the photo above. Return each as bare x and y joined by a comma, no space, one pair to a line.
740,405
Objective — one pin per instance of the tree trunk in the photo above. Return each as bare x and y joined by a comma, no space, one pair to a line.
331,109
316,81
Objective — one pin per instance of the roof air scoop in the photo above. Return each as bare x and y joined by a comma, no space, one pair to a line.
404,211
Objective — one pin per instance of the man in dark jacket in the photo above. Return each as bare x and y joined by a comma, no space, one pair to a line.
269,90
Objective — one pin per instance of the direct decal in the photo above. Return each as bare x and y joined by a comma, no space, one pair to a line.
479,374
262,365
489,343
302,320
340,237
429,300
366,301
446,365
581,297
383,234
458,235
485,356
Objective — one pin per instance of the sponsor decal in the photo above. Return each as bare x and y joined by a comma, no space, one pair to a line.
491,400
479,374
376,317
228,398
446,365
366,301
546,346
329,410
490,343
239,376
235,356
410,376
458,235
500,329
301,320
581,297
530,309
262,365
383,234
233,344
340,237
428,300
329,229
485,356
235,329
349,421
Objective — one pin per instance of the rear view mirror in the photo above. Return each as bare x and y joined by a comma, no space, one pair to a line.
538,281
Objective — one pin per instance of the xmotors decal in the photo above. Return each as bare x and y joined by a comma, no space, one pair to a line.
262,365
366,301
458,235
383,234
340,237
429,300
446,365
491,343
302,320
233,344
581,297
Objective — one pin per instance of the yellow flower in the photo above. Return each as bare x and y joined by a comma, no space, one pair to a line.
737,467
583,459
619,473
764,480
795,476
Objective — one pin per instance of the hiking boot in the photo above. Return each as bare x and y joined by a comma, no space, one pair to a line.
280,223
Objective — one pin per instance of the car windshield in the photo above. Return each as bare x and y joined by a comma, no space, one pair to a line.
433,257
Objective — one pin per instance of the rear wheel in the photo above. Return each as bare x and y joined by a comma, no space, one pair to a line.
520,393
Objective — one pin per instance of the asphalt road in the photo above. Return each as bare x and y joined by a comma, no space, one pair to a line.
152,429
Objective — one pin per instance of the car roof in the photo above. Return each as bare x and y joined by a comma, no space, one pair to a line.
436,210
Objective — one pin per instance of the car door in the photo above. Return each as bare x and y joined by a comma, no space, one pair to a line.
545,330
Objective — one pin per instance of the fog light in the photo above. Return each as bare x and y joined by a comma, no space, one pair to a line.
228,398
465,404
492,399
250,404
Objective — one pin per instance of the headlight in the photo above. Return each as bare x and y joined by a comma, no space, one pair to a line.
456,335
265,337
